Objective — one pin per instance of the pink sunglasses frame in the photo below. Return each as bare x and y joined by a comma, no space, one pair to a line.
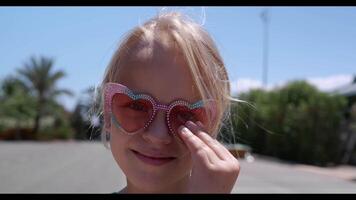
110,89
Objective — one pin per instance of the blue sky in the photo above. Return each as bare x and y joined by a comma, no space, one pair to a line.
313,43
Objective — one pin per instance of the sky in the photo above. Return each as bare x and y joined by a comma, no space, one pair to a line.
317,44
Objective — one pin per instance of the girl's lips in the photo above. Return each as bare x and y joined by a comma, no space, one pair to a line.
157,161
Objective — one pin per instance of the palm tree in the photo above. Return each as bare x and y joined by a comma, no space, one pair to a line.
39,76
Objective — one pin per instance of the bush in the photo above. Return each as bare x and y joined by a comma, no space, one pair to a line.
296,122
2,128
61,132
17,134
57,126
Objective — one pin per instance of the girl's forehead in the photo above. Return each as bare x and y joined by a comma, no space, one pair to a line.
154,48
159,72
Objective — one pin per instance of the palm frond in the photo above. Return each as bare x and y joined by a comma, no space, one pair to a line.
55,77
61,92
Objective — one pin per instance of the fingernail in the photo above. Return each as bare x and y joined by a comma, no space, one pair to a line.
189,123
184,130
199,123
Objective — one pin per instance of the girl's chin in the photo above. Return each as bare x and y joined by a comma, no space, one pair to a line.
159,186
156,180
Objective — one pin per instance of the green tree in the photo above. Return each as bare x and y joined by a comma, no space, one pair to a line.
296,122
16,104
40,77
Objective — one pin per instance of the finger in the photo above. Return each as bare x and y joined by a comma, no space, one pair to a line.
197,147
222,147
201,125
207,139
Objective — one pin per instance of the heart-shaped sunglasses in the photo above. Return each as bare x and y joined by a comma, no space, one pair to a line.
133,112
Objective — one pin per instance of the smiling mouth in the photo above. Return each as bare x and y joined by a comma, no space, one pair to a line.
157,161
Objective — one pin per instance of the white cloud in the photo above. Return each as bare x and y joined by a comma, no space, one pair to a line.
322,83
244,84
331,82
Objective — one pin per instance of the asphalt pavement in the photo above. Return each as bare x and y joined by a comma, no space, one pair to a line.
87,167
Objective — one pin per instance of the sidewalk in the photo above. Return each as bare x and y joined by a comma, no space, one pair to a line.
345,172
271,175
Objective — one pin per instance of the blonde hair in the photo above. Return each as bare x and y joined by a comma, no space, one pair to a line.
199,50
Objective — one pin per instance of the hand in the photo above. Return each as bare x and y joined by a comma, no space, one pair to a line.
215,169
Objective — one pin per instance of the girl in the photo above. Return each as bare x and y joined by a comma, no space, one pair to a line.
166,92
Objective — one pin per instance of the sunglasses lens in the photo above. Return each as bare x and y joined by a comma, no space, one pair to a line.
179,115
132,115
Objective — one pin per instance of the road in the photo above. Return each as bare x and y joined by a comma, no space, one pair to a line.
87,167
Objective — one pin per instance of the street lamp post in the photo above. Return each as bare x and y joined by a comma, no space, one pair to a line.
265,20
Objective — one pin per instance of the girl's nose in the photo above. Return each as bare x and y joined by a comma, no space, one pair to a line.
158,132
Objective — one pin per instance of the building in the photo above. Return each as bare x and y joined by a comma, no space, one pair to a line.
348,91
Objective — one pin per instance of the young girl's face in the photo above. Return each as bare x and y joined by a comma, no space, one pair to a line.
162,72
